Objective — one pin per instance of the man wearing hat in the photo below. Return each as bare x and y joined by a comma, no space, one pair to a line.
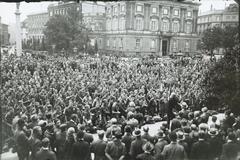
98,147
215,143
137,144
230,149
201,148
160,144
61,140
127,140
173,150
21,141
45,152
147,155
115,149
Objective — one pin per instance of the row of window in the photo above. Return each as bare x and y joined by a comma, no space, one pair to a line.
154,25
61,11
139,9
138,43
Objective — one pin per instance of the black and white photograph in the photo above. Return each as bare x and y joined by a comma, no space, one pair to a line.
120,80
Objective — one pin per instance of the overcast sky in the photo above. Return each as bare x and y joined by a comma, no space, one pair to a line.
7,10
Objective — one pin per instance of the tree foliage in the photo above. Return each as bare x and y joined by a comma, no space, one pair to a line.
221,84
67,31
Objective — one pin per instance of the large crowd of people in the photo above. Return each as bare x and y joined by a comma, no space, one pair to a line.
55,104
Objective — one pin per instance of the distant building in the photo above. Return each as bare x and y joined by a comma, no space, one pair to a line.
35,25
96,23
221,18
24,33
4,35
151,27
62,8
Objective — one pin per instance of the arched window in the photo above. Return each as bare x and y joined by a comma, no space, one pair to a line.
122,23
154,24
176,26
188,27
165,25
139,23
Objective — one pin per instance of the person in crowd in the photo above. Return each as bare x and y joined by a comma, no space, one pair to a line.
21,140
201,148
137,144
127,140
147,155
61,137
147,136
173,150
115,149
81,148
161,143
98,147
35,141
230,149
68,145
45,152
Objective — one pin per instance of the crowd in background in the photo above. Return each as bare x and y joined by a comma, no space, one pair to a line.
52,103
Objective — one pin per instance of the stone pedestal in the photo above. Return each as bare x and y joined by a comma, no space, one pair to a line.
18,31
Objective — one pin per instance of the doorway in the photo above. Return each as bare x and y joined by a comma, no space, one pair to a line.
164,47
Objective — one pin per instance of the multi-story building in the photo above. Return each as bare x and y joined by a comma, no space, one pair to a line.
36,24
62,8
96,23
4,35
24,34
151,27
222,18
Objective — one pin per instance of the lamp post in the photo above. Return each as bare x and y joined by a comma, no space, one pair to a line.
18,30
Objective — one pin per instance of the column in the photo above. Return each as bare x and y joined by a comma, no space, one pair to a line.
160,19
18,31
160,47
182,20
170,22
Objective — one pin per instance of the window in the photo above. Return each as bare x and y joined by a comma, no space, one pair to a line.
154,24
122,23
139,23
120,43
217,18
108,43
165,11
122,8
188,27
109,10
165,25
153,44
51,13
137,43
115,24
187,46
154,10
234,17
77,8
139,8
115,9
114,43
175,26
175,45
176,12
189,14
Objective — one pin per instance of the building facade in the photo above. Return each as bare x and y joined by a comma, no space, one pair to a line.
221,18
4,34
151,27
35,25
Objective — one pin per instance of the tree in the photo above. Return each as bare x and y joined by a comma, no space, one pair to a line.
212,38
67,31
229,37
57,32
221,83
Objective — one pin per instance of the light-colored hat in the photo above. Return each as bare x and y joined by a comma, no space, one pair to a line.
204,109
131,104
137,133
148,147
213,132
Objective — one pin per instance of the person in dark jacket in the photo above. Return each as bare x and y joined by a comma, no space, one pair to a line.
45,153
127,140
98,147
172,104
231,148
60,141
200,149
147,148
81,148
21,141
215,143
68,146
35,141
137,144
